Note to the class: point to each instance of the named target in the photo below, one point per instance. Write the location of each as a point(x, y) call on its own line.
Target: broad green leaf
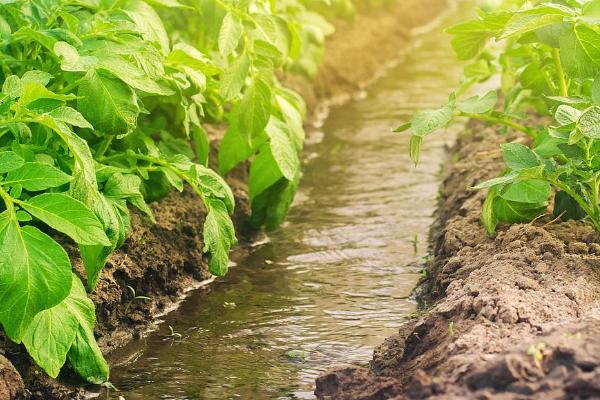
point(282, 148)
point(589, 123)
point(234, 77)
point(70, 116)
point(263, 173)
point(35, 274)
point(32, 91)
point(566, 207)
point(69, 216)
point(148, 23)
point(127, 187)
point(132, 75)
point(518, 156)
point(94, 257)
point(71, 60)
point(530, 20)
point(479, 105)
point(213, 185)
point(9, 161)
point(580, 53)
point(514, 212)
point(84, 355)
point(12, 86)
point(255, 109)
point(527, 191)
point(566, 114)
point(427, 122)
point(271, 206)
point(292, 117)
point(219, 236)
point(36, 176)
point(230, 34)
point(52, 332)
point(107, 103)
point(234, 148)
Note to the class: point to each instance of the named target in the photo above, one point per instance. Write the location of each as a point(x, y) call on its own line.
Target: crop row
point(102, 107)
point(547, 58)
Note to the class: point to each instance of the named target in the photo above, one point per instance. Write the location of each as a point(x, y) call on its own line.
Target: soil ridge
point(511, 317)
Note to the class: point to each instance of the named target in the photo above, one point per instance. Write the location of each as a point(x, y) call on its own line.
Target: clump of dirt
point(162, 260)
point(517, 316)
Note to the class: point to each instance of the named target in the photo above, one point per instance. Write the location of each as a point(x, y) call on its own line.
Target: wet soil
point(514, 317)
point(164, 260)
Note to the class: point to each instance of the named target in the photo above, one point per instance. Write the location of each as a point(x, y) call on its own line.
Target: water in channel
point(335, 280)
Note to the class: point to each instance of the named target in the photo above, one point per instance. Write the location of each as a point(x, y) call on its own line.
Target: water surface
point(336, 279)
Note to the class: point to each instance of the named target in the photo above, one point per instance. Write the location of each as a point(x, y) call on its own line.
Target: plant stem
point(564, 90)
point(106, 141)
point(8, 202)
point(496, 120)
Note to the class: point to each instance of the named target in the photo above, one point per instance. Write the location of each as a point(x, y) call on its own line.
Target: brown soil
point(162, 260)
point(493, 304)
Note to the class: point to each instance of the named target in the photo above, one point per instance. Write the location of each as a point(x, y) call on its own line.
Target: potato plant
point(548, 60)
point(101, 109)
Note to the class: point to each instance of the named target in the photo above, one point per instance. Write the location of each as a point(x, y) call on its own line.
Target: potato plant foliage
point(101, 109)
point(548, 60)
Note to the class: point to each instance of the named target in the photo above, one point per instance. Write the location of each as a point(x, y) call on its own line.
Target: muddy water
point(333, 282)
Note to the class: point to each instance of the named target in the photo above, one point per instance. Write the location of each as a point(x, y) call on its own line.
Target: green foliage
point(547, 57)
point(101, 109)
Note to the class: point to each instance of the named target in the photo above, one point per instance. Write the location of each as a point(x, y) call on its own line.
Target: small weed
point(173, 334)
point(134, 297)
point(451, 328)
point(537, 352)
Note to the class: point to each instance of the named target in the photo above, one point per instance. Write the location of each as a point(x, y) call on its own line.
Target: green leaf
point(566, 115)
point(270, 208)
point(71, 60)
point(9, 161)
point(263, 173)
point(415, 148)
point(589, 122)
point(234, 149)
point(234, 77)
point(212, 185)
point(85, 355)
point(32, 91)
point(219, 236)
point(254, 109)
point(479, 105)
point(566, 207)
point(518, 156)
point(501, 180)
point(427, 122)
point(514, 212)
point(109, 104)
point(530, 20)
point(69, 216)
point(282, 148)
point(52, 332)
point(488, 218)
point(402, 127)
point(527, 191)
point(35, 176)
point(148, 23)
point(132, 75)
point(580, 53)
point(70, 116)
point(35, 274)
point(230, 34)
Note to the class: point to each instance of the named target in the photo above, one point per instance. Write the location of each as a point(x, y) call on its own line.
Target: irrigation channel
point(336, 279)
